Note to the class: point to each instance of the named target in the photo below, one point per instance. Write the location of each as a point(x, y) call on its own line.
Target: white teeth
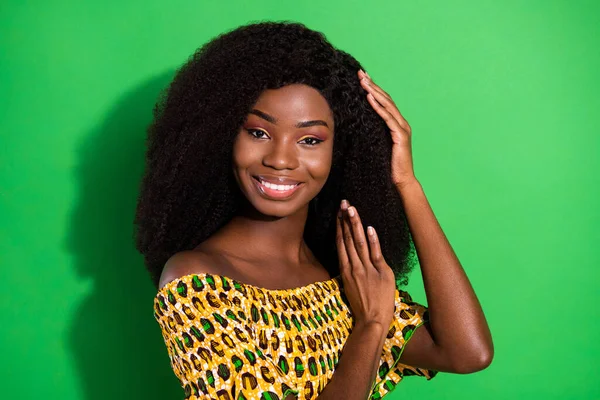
point(277, 187)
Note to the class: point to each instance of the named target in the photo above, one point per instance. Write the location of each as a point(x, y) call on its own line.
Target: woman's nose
point(281, 155)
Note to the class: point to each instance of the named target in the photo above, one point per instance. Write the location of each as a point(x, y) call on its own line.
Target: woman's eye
point(260, 134)
point(257, 133)
point(311, 141)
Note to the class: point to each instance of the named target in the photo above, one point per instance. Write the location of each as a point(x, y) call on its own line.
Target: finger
point(363, 74)
point(389, 105)
point(375, 249)
point(358, 236)
point(386, 101)
point(369, 84)
point(353, 257)
point(391, 121)
point(341, 247)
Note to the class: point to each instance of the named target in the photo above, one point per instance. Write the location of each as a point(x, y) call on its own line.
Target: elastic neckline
point(173, 283)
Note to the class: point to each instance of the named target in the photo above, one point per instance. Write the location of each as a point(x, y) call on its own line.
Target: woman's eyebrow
point(273, 120)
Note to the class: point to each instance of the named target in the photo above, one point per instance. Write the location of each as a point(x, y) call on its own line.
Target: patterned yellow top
point(229, 340)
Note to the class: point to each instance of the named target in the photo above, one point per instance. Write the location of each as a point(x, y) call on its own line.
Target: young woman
point(268, 156)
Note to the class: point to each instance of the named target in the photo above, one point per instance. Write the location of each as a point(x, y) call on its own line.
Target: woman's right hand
point(369, 282)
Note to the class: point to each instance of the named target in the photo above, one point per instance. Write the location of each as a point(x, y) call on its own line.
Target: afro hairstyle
point(188, 190)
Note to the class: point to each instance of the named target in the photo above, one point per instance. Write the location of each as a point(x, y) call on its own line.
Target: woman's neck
point(259, 237)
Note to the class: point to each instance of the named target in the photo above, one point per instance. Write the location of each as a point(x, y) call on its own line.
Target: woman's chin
point(277, 209)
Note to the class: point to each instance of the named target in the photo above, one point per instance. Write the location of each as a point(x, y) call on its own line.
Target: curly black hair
point(188, 190)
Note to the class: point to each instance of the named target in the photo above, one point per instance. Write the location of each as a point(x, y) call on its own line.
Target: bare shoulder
point(188, 262)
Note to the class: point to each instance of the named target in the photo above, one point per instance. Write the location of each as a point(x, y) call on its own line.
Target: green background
point(503, 101)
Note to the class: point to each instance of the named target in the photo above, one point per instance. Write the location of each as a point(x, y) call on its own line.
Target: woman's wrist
point(371, 327)
point(407, 186)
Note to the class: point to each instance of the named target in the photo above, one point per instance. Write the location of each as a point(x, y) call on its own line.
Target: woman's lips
point(274, 193)
point(276, 179)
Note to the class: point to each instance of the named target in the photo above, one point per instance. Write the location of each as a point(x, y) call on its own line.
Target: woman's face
point(282, 153)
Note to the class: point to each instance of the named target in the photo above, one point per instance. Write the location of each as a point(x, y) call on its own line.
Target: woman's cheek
point(319, 163)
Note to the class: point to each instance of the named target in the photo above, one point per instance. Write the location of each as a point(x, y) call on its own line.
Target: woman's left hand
point(402, 164)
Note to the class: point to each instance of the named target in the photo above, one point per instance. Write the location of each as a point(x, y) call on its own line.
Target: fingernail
point(351, 211)
point(370, 230)
point(344, 204)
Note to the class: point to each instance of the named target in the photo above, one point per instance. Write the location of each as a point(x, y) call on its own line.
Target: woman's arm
point(457, 338)
point(357, 367)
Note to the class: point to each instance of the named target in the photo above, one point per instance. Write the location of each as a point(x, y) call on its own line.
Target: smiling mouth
point(274, 191)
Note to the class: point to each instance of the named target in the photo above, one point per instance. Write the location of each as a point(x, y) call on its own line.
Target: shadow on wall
point(116, 343)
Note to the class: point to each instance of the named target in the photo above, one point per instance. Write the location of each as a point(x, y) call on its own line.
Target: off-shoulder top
point(230, 340)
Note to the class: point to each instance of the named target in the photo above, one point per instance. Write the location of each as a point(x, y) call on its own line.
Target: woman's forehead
point(292, 104)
